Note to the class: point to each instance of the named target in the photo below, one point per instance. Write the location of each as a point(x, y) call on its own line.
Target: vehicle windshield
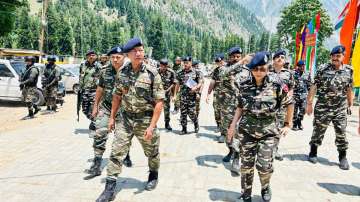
point(75, 70)
point(18, 66)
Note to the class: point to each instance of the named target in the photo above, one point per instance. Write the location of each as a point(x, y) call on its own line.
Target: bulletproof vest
point(49, 73)
point(27, 74)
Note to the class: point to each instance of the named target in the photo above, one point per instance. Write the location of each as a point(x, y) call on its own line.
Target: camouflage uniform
point(187, 98)
point(331, 104)
point(138, 91)
point(29, 79)
point(286, 78)
point(88, 79)
point(168, 79)
point(51, 78)
point(216, 102)
point(258, 129)
point(177, 69)
point(301, 87)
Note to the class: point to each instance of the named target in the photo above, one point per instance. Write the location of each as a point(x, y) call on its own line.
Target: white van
point(10, 71)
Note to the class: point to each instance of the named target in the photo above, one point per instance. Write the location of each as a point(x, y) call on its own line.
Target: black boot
point(37, 109)
point(152, 181)
point(344, 165)
point(196, 126)
point(245, 198)
point(95, 170)
point(167, 125)
point(48, 108)
point(228, 156)
point(92, 126)
point(266, 194)
point(183, 131)
point(29, 116)
point(54, 108)
point(295, 125)
point(300, 125)
point(235, 166)
point(313, 154)
point(127, 161)
point(109, 193)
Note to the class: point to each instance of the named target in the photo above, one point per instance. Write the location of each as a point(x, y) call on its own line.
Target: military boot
point(344, 165)
point(235, 166)
point(29, 116)
point(167, 126)
point(300, 127)
point(266, 194)
point(245, 198)
point(152, 181)
point(37, 109)
point(127, 161)
point(92, 126)
point(183, 131)
point(228, 157)
point(295, 125)
point(54, 108)
point(313, 154)
point(109, 193)
point(96, 171)
point(48, 108)
point(196, 126)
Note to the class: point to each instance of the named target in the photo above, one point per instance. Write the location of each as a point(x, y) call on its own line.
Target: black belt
point(138, 115)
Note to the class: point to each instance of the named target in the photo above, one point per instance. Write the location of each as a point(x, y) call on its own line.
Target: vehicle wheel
point(76, 88)
point(39, 98)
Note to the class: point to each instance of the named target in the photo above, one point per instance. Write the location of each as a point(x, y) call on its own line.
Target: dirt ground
point(12, 112)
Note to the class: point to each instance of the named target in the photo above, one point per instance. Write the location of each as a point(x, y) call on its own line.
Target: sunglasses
point(261, 69)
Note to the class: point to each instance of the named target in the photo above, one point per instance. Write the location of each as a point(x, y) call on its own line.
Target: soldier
point(168, 80)
point(259, 98)
point(89, 74)
point(285, 77)
point(333, 83)
point(28, 86)
point(301, 87)
point(195, 65)
point(50, 81)
point(188, 81)
point(102, 109)
point(140, 94)
point(104, 60)
point(177, 67)
point(215, 85)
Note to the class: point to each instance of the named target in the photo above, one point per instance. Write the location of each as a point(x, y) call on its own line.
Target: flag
point(343, 14)
point(356, 62)
point(347, 30)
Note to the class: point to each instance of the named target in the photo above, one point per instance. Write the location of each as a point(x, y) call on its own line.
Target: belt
point(138, 115)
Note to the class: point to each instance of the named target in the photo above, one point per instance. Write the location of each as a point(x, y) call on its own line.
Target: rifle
point(78, 104)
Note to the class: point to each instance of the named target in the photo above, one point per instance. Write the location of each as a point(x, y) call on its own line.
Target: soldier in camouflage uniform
point(168, 79)
point(104, 60)
point(195, 65)
point(333, 83)
point(286, 78)
point(188, 92)
point(89, 74)
point(140, 94)
point(215, 86)
point(28, 85)
point(259, 98)
point(177, 67)
point(301, 87)
point(50, 81)
point(102, 109)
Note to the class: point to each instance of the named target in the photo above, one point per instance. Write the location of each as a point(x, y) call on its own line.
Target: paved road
point(46, 161)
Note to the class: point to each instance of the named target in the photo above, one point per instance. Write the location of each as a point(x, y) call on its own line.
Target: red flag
point(318, 18)
point(347, 30)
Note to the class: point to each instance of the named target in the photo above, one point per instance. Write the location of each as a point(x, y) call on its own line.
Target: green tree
point(8, 15)
point(155, 38)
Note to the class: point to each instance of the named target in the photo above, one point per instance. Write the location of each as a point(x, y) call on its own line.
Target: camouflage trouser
point(280, 119)
point(227, 112)
point(87, 103)
point(299, 110)
point(177, 101)
point(29, 94)
point(50, 95)
point(167, 107)
point(217, 109)
point(322, 118)
point(259, 151)
point(126, 129)
point(187, 108)
point(197, 104)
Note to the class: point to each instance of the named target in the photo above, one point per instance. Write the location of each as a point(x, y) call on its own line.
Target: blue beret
point(90, 52)
point(235, 50)
point(260, 58)
point(300, 63)
point(164, 61)
point(279, 52)
point(115, 50)
point(338, 49)
point(187, 58)
point(218, 57)
point(132, 43)
point(195, 62)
